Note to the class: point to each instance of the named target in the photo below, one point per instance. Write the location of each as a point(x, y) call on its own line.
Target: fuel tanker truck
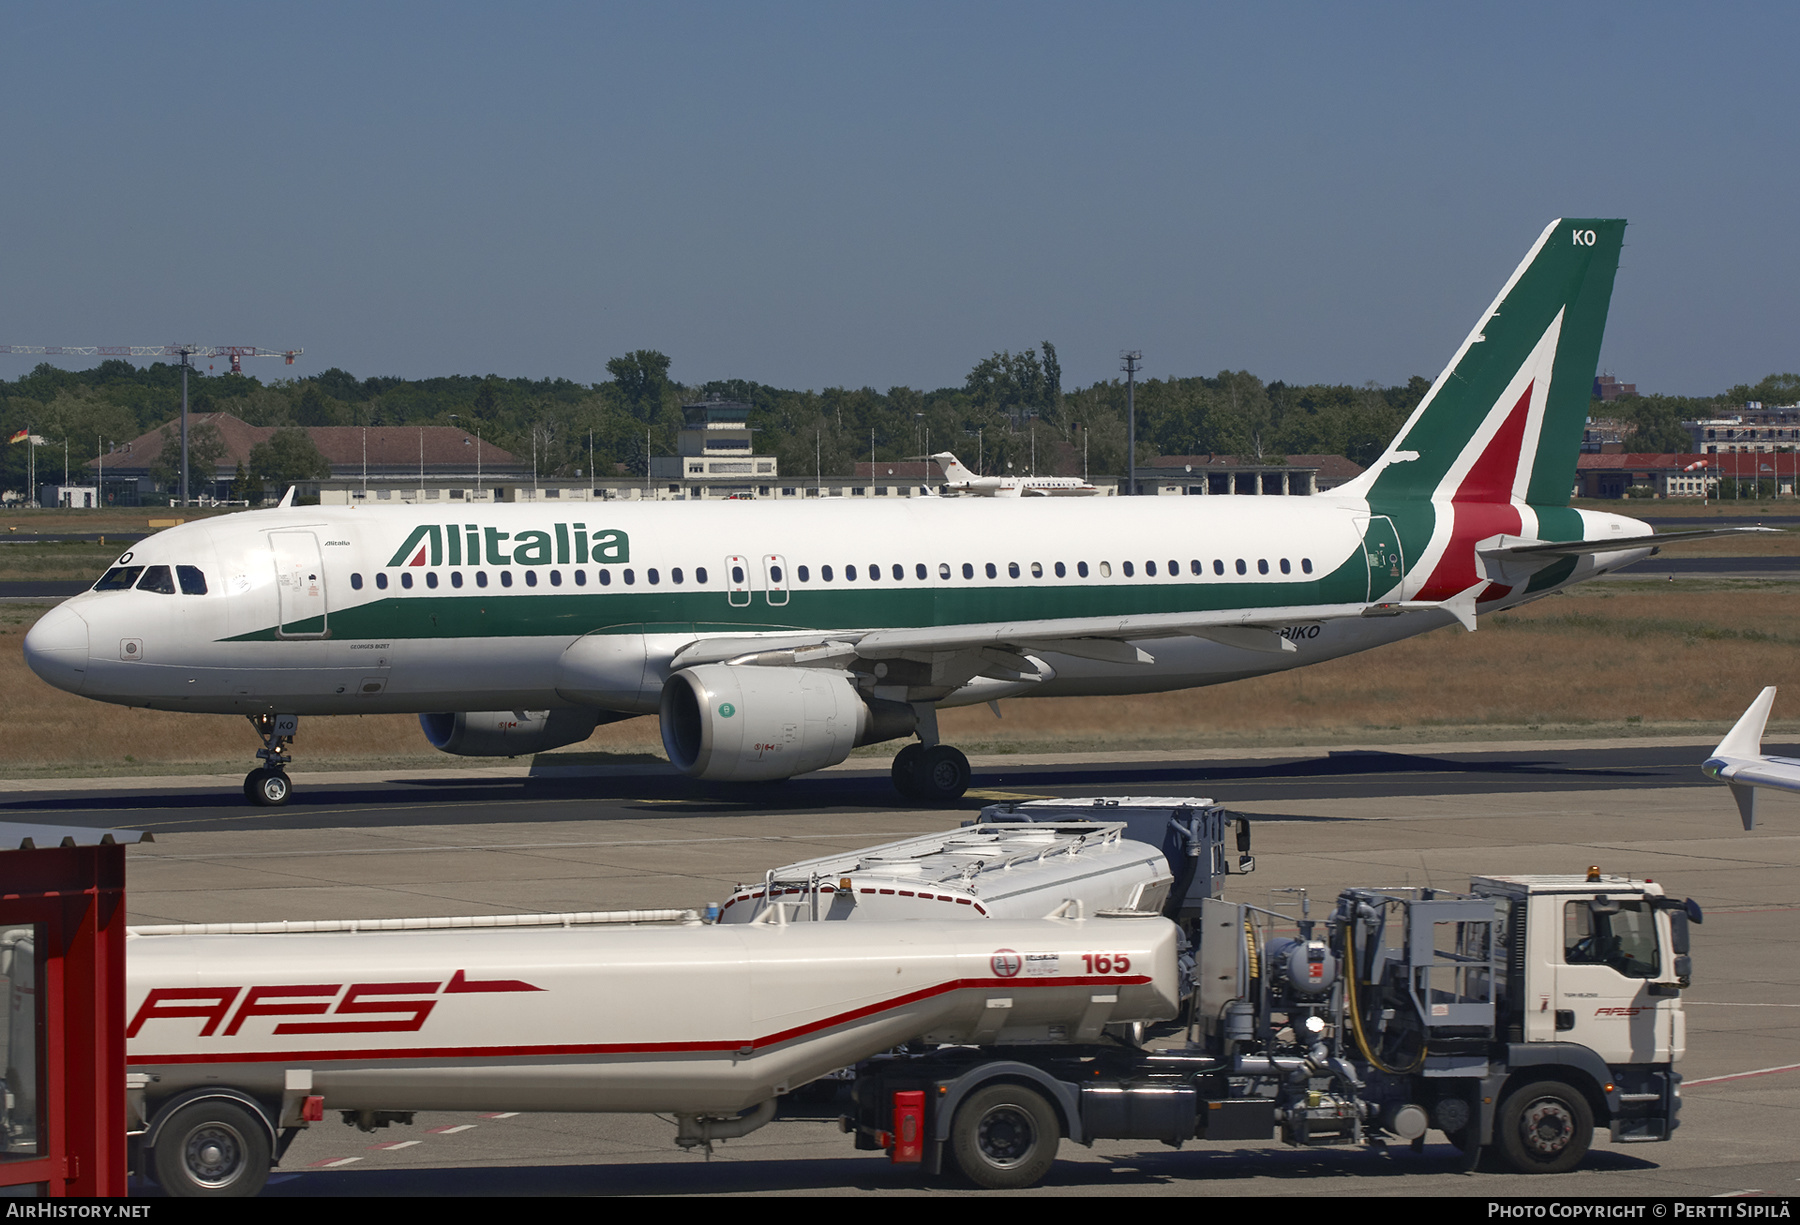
point(1058, 970)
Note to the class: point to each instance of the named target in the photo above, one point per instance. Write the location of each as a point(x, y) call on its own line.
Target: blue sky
point(846, 194)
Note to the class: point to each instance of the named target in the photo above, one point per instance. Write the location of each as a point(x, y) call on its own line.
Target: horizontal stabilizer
point(1518, 546)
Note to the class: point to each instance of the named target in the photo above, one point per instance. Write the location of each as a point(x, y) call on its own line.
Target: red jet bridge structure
point(62, 963)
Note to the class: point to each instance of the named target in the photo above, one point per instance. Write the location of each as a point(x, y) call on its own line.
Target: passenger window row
point(629, 576)
point(851, 573)
point(1014, 569)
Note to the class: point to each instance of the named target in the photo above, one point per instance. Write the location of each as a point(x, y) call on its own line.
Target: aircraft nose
point(57, 648)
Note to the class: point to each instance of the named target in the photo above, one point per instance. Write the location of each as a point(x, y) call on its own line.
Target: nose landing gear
point(268, 784)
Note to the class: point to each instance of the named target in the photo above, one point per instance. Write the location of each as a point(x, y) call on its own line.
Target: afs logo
point(403, 1005)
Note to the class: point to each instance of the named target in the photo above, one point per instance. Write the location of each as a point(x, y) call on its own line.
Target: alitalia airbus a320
point(772, 638)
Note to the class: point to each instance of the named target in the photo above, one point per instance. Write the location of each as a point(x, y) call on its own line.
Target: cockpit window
point(119, 578)
point(192, 581)
point(157, 579)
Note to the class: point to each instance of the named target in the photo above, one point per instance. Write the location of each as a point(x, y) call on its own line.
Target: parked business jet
point(959, 480)
point(770, 638)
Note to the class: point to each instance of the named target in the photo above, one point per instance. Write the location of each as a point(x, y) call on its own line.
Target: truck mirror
point(1243, 835)
point(1678, 932)
point(1603, 905)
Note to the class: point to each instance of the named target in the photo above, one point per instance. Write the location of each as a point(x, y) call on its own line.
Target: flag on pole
point(21, 436)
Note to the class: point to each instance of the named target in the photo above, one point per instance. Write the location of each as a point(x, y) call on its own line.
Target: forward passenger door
point(299, 585)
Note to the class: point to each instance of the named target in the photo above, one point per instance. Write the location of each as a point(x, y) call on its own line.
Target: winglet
point(1741, 751)
point(1745, 737)
point(287, 499)
point(1745, 795)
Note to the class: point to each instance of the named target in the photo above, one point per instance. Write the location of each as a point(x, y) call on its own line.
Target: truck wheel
point(1005, 1137)
point(212, 1149)
point(1544, 1128)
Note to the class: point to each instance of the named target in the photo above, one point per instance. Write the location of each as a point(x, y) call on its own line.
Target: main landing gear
point(935, 775)
point(268, 784)
point(930, 772)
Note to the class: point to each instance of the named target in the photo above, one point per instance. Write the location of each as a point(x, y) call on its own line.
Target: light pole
point(1131, 358)
point(186, 351)
point(454, 417)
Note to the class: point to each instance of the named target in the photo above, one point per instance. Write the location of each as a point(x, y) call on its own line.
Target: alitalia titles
point(469, 544)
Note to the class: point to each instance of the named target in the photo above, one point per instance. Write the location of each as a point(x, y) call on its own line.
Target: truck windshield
point(1626, 941)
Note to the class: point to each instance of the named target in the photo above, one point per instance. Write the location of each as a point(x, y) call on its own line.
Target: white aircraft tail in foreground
point(1740, 763)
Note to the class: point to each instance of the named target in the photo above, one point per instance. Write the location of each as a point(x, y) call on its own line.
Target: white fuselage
point(308, 611)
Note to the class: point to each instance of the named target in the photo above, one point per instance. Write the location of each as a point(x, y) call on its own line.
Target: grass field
point(1617, 658)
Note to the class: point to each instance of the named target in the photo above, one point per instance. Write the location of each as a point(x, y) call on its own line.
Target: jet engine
point(747, 723)
point(510, 733)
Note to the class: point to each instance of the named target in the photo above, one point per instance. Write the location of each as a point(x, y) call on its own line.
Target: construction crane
point(236, 353)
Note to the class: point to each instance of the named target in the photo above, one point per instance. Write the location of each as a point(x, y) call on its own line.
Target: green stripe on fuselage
point(564, 613)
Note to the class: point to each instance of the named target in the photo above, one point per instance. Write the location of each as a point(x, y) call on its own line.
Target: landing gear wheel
point(270, 788)
point(943, 775)
point(1004, 1137)
point(906, 771)
point(1544, 1128)
point(212, 1150)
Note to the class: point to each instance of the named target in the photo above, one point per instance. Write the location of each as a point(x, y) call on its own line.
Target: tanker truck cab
point(1604, 960)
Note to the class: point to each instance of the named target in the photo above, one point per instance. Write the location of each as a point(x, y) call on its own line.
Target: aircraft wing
point(1110, 639)
point(881, 644)
point(1741, 765)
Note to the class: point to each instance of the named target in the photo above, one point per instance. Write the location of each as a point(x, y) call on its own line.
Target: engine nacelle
point(510, 733)
point(745, 723)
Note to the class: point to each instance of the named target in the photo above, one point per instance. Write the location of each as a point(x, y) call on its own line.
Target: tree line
point(1011, 413)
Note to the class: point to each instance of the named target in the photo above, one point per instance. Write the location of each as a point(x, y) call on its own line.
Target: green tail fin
point(1503, 422)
